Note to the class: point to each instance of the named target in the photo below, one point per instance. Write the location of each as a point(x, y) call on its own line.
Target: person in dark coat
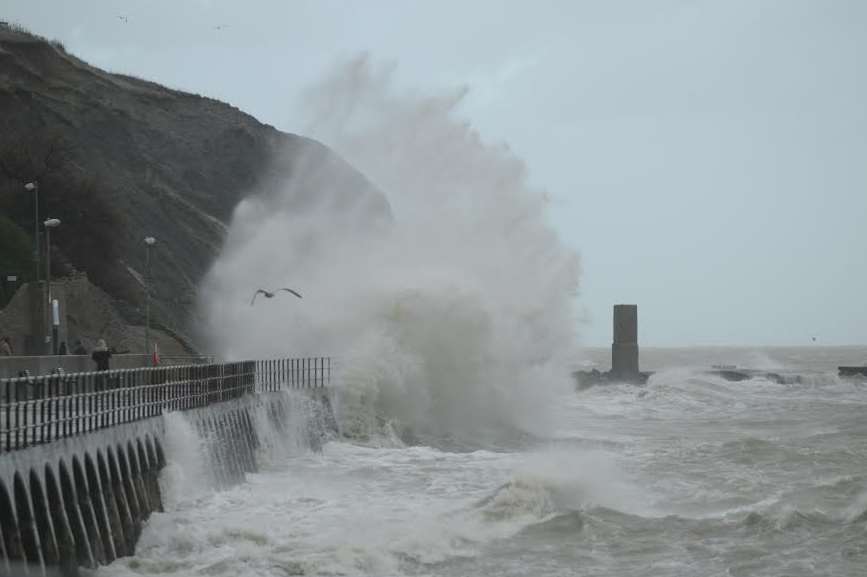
point(101, 355)
point(62, 350)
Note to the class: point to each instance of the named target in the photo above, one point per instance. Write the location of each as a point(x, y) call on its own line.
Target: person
point(5, 347)
point(62, 350)
point(79, 348)
point(101, 355)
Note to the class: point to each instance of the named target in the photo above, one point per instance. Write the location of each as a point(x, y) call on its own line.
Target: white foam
point(456, 320)
point(186, 475)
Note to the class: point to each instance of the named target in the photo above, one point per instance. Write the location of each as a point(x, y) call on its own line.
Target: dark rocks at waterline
point(852, 371)
point(587, 379)
point(737, 375)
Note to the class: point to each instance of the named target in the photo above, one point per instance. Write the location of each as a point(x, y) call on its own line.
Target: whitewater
point(688, 475)
point(460, 444)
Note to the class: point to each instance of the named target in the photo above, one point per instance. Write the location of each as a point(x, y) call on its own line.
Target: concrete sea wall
point(82, 500)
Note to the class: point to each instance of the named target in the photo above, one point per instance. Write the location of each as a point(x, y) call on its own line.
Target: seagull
point(270, 295)
point(123, 19)
point(221, 27)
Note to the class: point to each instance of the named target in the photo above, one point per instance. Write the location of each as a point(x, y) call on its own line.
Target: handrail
point(43, 409)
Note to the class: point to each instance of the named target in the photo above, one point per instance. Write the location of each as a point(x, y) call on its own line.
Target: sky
point(708, 159)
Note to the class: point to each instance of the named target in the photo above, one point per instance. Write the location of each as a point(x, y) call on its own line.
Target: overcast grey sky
point(707, 158)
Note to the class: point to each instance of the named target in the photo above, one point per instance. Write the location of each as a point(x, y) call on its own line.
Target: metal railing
point(302, 373)
point(37, 410)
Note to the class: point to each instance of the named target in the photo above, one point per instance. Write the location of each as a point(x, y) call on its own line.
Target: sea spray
point(454, 316)
point(187, 473)
point(200, 444)
point(557, 481)
point(287, 424)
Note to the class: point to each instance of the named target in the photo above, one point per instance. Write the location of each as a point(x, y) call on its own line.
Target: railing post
point(63, 402)
point(141, 395)
point(27, 409)
point(134, 394)
point(74, 425)
point(104, 386)
point(120, 384)
point(39, 416)
point(51, 409)
point(16, 415)
point(149, 397)
point(8, 410)
point(88, 400)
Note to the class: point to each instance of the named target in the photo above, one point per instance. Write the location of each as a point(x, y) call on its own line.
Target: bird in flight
point(221, 27)
point(123, 19)
point(270, 295)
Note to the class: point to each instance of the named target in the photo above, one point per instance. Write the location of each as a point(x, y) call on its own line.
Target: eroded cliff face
point(119, 159)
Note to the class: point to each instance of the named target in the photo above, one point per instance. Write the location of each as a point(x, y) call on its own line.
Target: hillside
point(119, 158)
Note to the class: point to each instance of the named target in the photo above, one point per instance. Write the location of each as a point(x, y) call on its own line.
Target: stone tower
point(624, 349)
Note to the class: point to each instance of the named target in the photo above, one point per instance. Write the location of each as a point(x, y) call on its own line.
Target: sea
point(688, 475)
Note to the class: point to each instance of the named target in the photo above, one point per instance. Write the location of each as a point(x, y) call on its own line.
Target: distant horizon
point(729, 346)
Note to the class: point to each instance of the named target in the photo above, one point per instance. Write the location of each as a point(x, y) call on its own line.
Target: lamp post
point(149, 242)
point(34, 188)
point(49, 224)
point(37, 324)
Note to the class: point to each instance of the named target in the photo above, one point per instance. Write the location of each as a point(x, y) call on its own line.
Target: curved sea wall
point(82, 499)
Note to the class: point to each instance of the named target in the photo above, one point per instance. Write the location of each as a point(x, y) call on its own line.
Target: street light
point(34, 188)
point(149, 241)
point(49, 224)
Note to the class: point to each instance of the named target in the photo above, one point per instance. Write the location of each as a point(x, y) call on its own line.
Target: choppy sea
point(690, 475)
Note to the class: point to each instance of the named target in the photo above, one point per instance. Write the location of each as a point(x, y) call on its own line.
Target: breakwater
point(82, 453)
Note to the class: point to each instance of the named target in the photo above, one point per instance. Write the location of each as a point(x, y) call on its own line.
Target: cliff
point(119, 158)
